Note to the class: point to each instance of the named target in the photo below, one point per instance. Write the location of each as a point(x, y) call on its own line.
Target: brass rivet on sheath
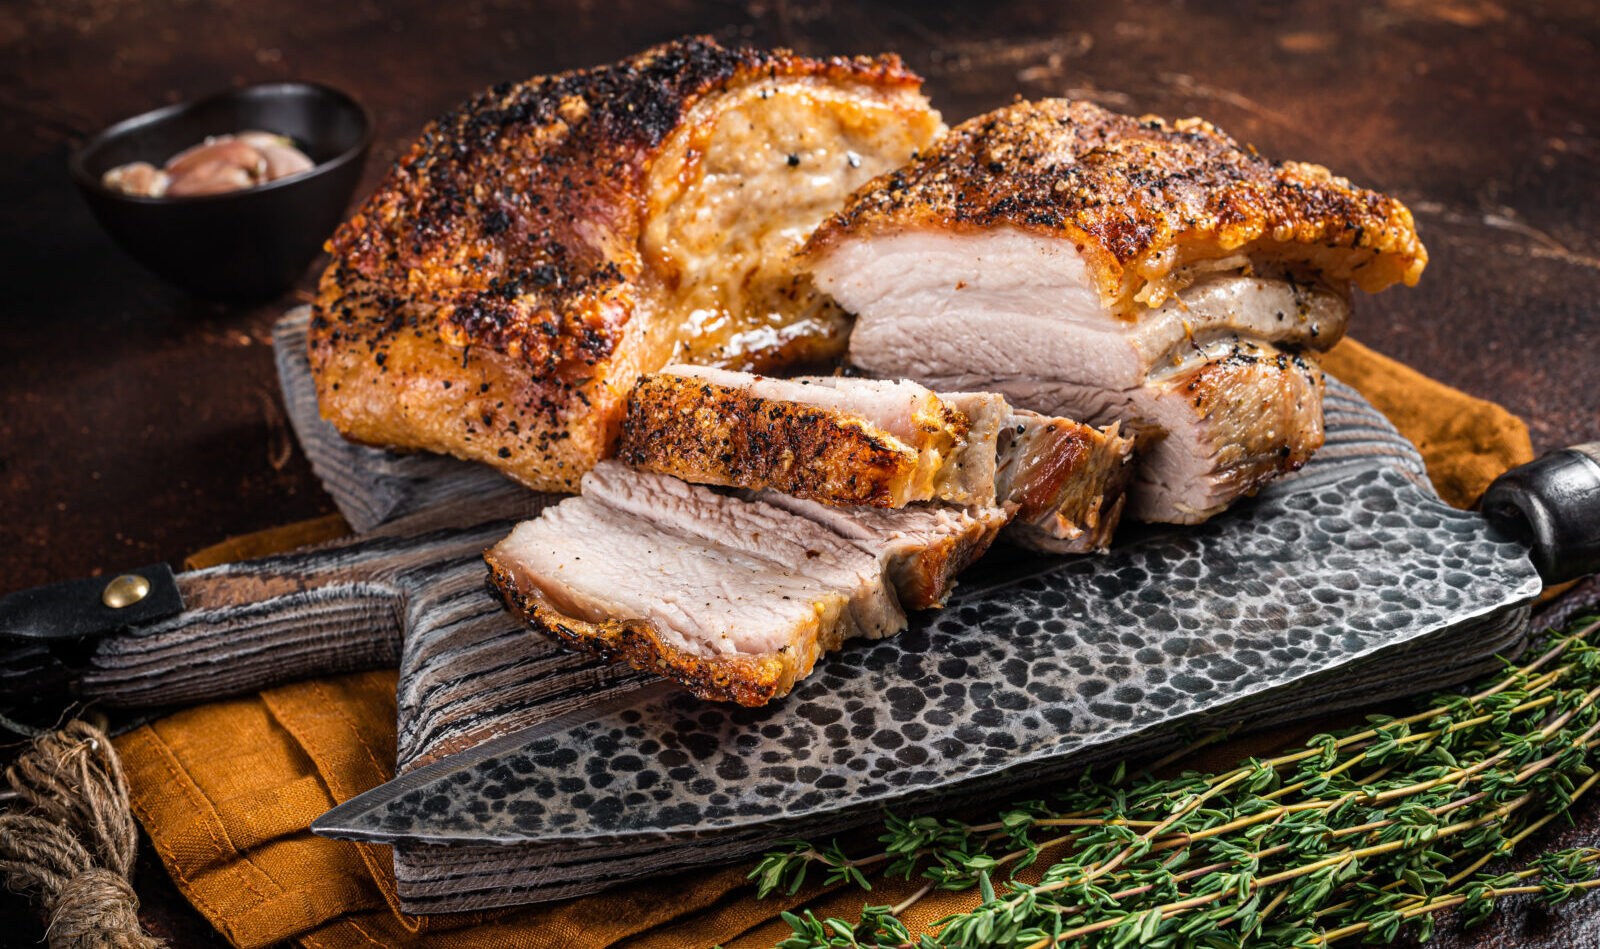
point(125, 590)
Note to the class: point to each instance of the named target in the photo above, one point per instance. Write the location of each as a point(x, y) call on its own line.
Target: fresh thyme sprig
point(1357, 835)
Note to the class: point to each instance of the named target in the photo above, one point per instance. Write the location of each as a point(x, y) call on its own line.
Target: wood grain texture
point(336, 608)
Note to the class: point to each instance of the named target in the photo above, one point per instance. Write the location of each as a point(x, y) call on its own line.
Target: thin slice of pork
point(756, 529)
point(1077, 261)
point(802, 437)
point(843, 441)
point(733, 598)
point(1065, 482)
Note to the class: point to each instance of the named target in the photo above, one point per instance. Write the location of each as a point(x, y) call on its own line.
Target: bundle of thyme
point(1360, 834)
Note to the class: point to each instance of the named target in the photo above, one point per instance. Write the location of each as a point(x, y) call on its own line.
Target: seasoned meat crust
point(715, 434)
point(498, 294)
point(1143, 199)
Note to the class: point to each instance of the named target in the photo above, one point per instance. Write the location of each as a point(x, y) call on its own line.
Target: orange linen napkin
point(227, 791)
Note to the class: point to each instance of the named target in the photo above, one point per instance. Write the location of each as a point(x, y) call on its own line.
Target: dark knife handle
point(1553, 505)
point(249, 625)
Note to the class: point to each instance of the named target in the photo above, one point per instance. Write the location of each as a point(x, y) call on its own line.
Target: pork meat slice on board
point(922, 547)
point(837, 440)
point(885, 444)
point(733, 598)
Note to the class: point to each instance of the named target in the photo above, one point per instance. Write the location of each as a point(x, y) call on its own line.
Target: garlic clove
point(224, 149)
point(210, 177)
point(256, 138)
point(284, 160)
point(137, 178)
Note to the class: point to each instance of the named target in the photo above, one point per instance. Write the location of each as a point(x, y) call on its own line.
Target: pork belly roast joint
point(548, 241)
point(1106, 268)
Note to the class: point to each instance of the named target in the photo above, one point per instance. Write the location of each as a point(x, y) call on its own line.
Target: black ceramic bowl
point(243, 245)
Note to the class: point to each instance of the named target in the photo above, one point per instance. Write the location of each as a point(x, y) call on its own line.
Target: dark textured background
point(137, 424)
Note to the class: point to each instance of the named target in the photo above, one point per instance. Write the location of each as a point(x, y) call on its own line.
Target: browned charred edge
point(746, 680)
point(1081, 479)
point(713, 434)
point(925, 581)
point(509, 233)
point(1120, 187)
point(1116, 467)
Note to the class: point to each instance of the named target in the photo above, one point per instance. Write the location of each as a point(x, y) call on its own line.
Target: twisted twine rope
point(72, 846)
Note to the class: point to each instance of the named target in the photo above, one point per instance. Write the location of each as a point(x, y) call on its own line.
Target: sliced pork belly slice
point(843, 441)
point(921, 547)
point(1064, 480)
point(1236, 415)
point(733, 597)
point(969, 476)
point(756, 529)
point(1072, 259)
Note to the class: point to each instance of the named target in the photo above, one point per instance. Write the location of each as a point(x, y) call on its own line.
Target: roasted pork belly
point(1064, 481)
point(755, 530)
point(549, 240)
point(843, 441)
point(883, 444)
point(1091, 265)
point(734, 598)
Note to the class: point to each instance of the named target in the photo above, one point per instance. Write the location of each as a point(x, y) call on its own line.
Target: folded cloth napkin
point(227, 791)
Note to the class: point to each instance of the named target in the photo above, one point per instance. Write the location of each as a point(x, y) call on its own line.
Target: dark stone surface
point(137, 424)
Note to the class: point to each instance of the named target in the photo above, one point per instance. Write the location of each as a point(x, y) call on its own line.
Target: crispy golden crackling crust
point(714, 434)
point(1139, 197)
point(751, 680)
point(481, 301)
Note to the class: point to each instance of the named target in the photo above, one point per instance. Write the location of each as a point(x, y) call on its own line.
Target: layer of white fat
point(891, 405)
point(1002, 301)
point(791, 544)
point(877, 530)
